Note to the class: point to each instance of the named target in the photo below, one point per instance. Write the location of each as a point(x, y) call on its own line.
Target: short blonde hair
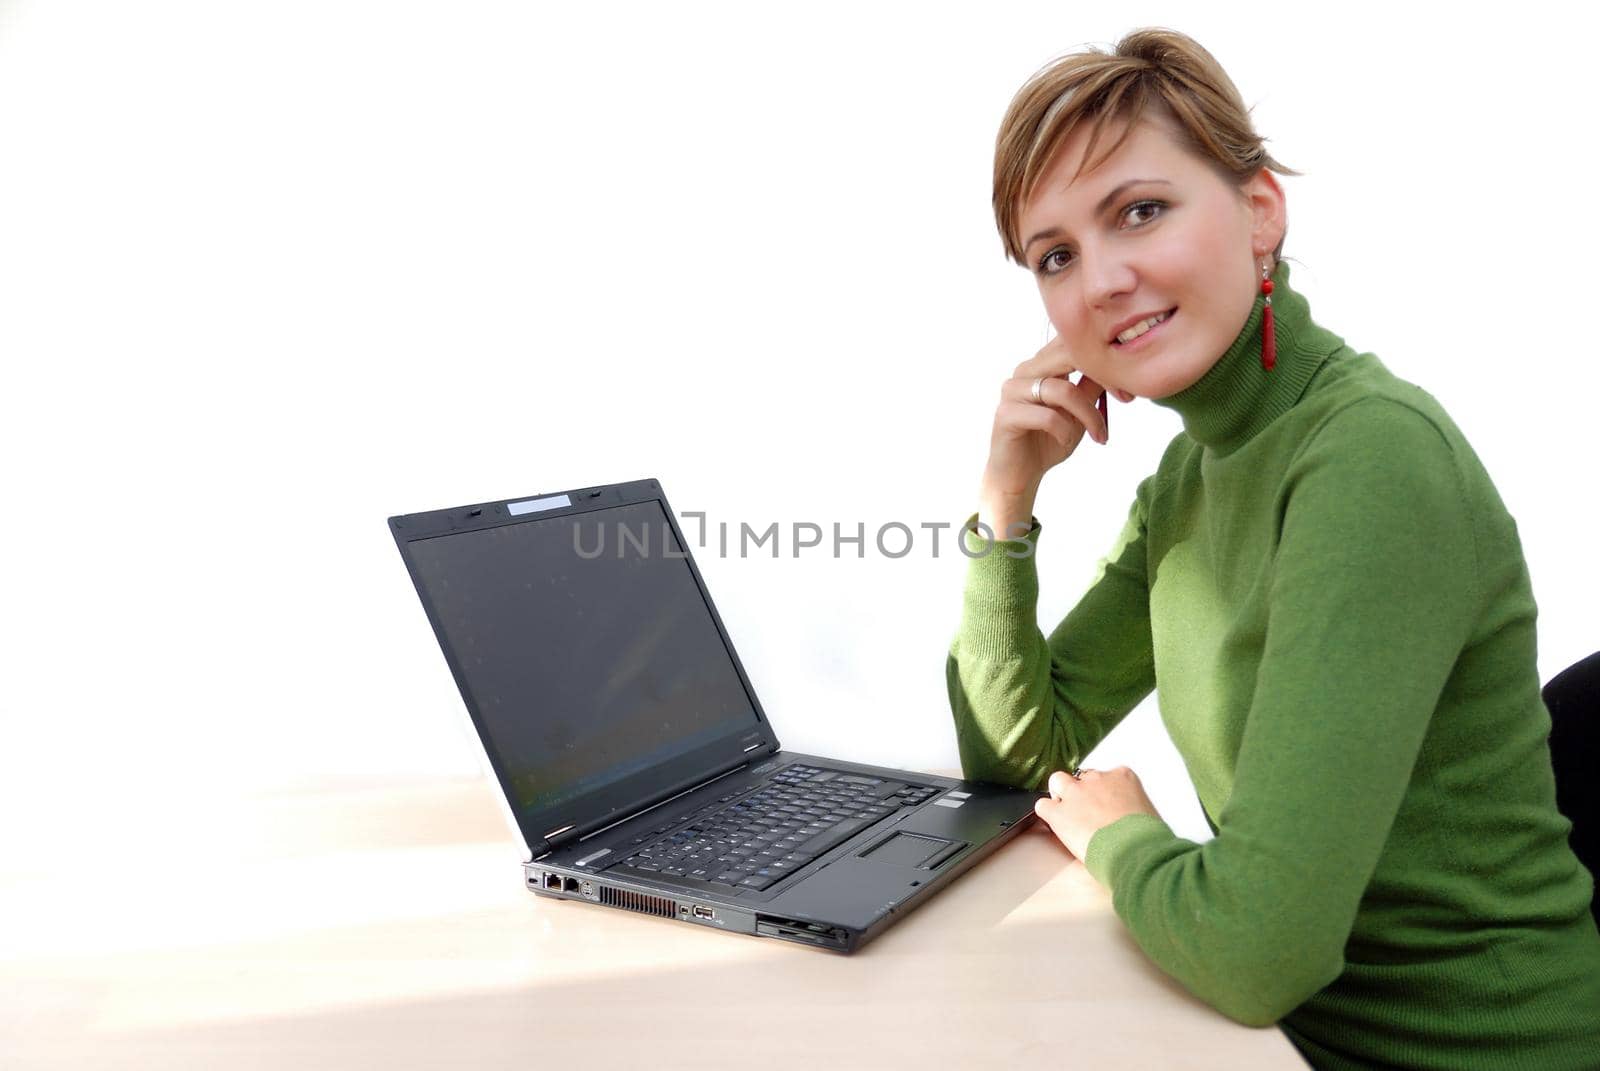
point(1152, 69)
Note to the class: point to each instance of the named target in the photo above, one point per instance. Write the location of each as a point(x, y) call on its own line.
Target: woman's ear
point(1269, 211)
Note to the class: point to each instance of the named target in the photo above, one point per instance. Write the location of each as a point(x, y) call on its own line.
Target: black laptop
point(634, 759)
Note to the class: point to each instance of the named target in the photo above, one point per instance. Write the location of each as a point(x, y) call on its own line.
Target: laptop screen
point(585, 642)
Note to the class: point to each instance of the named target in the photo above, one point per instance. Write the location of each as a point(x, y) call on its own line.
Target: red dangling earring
point(1269, 337)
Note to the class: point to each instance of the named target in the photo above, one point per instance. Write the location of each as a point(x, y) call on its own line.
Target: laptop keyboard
point(801, 813)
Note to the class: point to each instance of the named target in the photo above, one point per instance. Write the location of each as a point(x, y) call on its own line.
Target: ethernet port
point(552, 881)
point(571, 885)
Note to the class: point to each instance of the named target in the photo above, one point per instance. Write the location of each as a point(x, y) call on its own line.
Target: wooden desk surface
point(387, 928)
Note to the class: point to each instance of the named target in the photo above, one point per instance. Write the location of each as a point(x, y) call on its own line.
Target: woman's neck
point(1237, 397)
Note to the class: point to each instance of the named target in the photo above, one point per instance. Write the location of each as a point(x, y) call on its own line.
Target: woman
point(1320, 580)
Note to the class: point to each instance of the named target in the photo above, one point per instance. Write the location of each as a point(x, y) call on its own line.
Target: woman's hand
point(1076, 809)
point(1029, 438)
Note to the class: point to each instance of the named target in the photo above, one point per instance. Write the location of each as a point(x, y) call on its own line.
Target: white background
point(271, 272)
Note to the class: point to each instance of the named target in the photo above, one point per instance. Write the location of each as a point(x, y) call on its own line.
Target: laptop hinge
point(570, 833)
point(554, 839)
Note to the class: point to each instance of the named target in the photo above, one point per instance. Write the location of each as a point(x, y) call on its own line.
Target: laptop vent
point(633, 901)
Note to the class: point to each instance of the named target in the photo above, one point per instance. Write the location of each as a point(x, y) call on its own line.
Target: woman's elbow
point(1276, 985)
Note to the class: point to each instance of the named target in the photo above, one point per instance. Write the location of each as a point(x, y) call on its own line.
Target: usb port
point(704, 912)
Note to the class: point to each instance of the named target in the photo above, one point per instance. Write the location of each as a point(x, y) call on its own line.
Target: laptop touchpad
point(906, 849)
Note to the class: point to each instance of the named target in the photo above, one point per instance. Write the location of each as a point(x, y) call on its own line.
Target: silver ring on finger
point(1038, 391)
point(1077, 773)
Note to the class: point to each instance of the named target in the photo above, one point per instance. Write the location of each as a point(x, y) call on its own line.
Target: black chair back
point(1573, 697)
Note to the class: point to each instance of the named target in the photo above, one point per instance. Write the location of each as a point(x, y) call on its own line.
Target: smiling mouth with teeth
point(1128, 337)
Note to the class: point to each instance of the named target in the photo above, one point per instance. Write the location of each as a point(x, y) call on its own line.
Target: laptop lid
point(591, 659)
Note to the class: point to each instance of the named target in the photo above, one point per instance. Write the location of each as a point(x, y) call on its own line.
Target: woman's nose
point(1106, 278)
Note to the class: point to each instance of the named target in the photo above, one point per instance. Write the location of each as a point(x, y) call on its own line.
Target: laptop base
point(893, 866)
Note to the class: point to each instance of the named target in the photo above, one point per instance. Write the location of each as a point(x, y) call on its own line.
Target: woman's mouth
point(1144, 340)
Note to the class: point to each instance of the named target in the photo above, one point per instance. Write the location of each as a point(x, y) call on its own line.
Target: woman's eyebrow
point(1105, 202)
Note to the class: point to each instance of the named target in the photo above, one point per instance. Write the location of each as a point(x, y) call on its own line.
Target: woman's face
point(1151, 230)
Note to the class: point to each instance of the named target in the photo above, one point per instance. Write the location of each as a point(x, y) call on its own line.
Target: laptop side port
point(704, 912)
point(552, 882)
point(570, 885)
point(807, 932)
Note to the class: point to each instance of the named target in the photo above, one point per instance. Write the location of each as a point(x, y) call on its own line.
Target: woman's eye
point(1145, 204)
point(1049, 264)
point(1055, 260)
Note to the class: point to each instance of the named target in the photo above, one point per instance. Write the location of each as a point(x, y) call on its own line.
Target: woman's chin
point(1153, 387)
point(1175, 381)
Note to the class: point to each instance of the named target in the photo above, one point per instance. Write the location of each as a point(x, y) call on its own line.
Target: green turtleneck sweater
point(1325, 590)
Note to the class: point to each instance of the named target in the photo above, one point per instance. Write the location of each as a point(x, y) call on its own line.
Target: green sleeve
point(1372, 595)
point(1026, 706)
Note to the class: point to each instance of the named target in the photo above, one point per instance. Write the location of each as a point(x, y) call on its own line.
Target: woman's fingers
point(1051, 360)
point(1056, 392)
point(1054, 360)
point(1061, 782)
point(1102, 407)
point(1052, 810)
point(1038, 418)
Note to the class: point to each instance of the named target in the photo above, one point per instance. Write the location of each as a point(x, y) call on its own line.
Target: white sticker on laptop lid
point(534, 505)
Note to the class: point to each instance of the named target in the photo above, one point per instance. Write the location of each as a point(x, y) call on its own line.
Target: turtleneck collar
point(1231, 403)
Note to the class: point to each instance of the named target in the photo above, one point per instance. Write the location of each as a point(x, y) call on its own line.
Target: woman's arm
point(1374, 589)
point(1024, 705)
